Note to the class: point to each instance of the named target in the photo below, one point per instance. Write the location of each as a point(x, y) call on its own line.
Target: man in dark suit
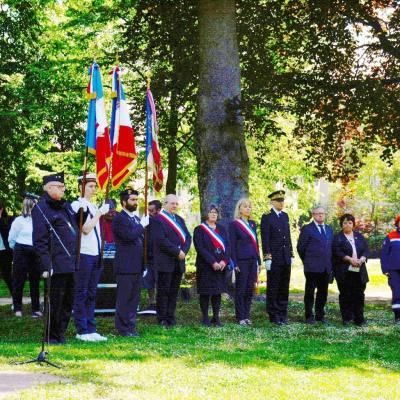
point(128, 230)
point(171, 243)
point(315, 250)
point(278, 252)
point(57, 251)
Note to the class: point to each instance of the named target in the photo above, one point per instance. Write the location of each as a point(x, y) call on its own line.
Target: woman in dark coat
point(6, 254)
point(213, 254)
point(246, 258)
point(350, 252)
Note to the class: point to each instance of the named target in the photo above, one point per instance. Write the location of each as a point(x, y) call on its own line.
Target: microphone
point(29, 195)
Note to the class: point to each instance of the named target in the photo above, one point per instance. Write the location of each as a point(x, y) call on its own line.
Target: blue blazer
point(242, 247)
point(167, 244)
point(341, 248)
point(275, 236)
point(314, 249)
point(128, 237)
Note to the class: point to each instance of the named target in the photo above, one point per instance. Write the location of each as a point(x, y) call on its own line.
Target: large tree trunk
point(223, 164)
point(172, 151)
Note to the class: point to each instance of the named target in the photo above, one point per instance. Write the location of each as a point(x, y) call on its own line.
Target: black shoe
point(361, 324)
point(134, 333)
point(310, 321)
point(216, 322)
point(323, 321)
point(164, 323)
point(284, 321)
point(172, 322)
point(205, 321)
point(397, 321)
point(346, 323)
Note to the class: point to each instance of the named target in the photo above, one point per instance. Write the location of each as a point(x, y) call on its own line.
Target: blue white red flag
point(97, 134)
point(124, 155)
point(153, 156)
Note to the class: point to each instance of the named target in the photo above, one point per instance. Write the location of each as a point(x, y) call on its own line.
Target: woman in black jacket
point(213, 255)
point(350, 252)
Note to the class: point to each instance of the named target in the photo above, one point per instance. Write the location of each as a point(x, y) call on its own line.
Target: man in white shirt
point(89, 269)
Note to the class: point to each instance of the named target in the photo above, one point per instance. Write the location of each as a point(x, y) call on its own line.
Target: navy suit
point(166, 248)
point(128, 266)
point(276, 241)
point(351, 284)
point(315, 250)
point(247, 258)
point(65, 223)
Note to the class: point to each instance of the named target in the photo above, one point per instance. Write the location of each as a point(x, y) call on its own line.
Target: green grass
point(194, 362)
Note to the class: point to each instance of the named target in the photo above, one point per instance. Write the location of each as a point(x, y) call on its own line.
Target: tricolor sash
point(249, 230)
point(216, 239)
point(174, 225)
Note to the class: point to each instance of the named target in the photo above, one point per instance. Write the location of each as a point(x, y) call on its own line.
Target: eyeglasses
point(213, 212)
point(58, 186)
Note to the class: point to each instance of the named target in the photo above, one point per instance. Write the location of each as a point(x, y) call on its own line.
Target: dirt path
point(13, 381)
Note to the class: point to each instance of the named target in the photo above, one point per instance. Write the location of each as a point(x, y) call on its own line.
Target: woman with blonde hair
point(25, 260)
point(246, 257)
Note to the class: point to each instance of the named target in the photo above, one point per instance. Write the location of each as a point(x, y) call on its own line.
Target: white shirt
point(20, 231)
point(91, 242)
point(2, 247)
point(278, 213)
point(350, 238)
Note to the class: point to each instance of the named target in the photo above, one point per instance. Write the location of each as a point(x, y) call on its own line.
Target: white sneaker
point(18, 314)
point(97, 337)
point(86, 337)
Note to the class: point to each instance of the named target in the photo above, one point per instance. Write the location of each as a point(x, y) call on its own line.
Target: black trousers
point(319, 281)
point(204, 300)
point(128, 296)
point(6, 267)
point(351, 297)
point(25, 264)
point(61, 299)
point(244, 284)
point(278, 279)
point(168, 284)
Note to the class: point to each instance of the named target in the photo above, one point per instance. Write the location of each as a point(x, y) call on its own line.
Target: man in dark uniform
point(171, 243)
point(6, 254)
point(128, 230)
point(149, 278)
point(278, 252)
point(57, 251)
point(315, 250)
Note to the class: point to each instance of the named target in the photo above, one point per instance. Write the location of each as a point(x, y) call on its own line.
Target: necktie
point(322, 229)
point(279, 214)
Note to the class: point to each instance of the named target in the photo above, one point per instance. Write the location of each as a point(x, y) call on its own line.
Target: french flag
point(124, 155)
point(153, 156)
point(97, 134)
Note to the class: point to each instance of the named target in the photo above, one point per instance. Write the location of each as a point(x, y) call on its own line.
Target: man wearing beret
point(57, 252)
point(278, 252)
point(89, 269)
point(128, 230)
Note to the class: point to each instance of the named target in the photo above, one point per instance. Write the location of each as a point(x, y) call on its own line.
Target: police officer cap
point(278, 195)
point(58, 177)
point(124, 195)
point(89, 178)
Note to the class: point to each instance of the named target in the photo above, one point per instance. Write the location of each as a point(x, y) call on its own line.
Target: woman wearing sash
point(213, 255)
point(246, 257)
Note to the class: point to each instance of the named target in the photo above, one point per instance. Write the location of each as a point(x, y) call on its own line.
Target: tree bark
point(223, 164)
point(172, 151)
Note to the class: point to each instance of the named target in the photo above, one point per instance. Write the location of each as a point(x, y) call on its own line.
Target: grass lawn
point(233, 362)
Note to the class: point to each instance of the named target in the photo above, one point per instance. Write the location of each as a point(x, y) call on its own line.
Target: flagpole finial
point(148, 78)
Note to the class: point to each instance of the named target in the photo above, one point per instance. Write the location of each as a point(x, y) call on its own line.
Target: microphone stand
point(42, 356)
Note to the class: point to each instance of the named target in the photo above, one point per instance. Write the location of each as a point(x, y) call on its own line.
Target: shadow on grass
point(296, 345)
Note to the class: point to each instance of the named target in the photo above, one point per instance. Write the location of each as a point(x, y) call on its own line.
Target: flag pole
point(146, 183)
